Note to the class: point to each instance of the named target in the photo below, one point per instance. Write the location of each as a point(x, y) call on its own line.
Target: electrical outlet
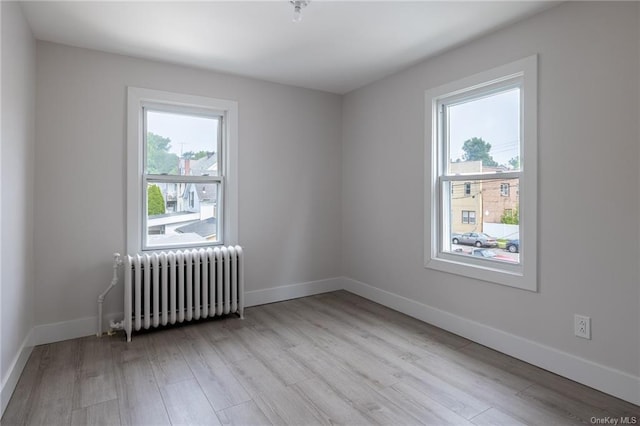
point(582, 326)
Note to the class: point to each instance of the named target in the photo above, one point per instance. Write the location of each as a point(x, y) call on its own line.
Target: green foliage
point(159, 159)
point(512, 218)
point(155, 201)
point(515, 162)
point(190, 155)
point(476, 149)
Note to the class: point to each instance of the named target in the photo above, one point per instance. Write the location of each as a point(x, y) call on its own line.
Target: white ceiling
point(337, 47)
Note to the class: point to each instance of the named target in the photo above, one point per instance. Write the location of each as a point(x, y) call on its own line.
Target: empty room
point(320, 212)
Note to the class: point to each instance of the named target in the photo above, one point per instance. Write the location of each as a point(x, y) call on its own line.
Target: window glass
point(482, 137)
point(181, 144)
point(193, 218)
point(183, 211)
point(486, 211)
point(483, 133)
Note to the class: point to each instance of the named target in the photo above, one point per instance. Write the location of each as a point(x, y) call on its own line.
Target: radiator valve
point(116, 325)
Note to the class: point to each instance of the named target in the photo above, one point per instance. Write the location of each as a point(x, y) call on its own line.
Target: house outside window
point(483, 138)
point(182, 168)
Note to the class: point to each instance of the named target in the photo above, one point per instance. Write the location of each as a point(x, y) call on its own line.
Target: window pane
point(483, 134)
point(484, 224)
point(181, 213)
point(181, 144)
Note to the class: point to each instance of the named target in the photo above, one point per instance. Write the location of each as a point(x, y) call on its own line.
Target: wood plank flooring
point(334, 358)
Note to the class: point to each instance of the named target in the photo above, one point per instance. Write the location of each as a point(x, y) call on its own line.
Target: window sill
point(494, 272)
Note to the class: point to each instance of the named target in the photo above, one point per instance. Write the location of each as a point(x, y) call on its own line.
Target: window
point(468, 217)
point(504, 189)
point(182, 185)
point(483, 133)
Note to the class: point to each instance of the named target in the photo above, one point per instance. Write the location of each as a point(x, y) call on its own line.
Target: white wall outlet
point(582, 326)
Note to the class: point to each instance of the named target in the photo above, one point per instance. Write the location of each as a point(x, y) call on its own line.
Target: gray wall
point(17, 193)
point(289, 175)
point(588, 183)
point(332, 185)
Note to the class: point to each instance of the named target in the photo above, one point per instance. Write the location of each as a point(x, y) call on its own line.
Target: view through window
point(480, 177)
point(182, 177)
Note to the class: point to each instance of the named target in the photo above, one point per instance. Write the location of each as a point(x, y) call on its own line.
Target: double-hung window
point(181, 171)
point(481, 136)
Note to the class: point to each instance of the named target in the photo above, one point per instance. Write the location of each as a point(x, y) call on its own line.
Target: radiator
point(177, 286)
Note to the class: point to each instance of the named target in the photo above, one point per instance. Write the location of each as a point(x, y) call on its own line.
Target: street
point(501, 254)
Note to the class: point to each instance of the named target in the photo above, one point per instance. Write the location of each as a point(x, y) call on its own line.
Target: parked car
point(513, 246)
point(478, 239)
point(490, 254)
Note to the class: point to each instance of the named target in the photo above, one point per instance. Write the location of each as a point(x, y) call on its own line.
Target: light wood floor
point(328, 359)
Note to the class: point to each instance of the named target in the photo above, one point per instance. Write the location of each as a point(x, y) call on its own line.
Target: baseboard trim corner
point(292, 291)
point(65, 330)
point(606, 379)
point(15, 370)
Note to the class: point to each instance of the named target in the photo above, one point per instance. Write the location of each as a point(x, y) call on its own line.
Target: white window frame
point(523, 275)
point(137, 100)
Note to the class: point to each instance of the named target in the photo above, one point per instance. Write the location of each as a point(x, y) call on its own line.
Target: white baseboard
point(65, 330)
point(293, 291)
point(609, 380)
point(81, 327)
point(598, 376)
point(15, 370)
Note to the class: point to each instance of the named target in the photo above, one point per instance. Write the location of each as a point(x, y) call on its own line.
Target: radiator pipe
point(117, 261)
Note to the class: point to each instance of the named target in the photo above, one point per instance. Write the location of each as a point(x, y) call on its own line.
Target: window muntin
point(450, 110)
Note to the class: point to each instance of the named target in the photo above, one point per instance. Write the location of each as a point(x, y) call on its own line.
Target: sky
point(187, 132)
point(495, 119)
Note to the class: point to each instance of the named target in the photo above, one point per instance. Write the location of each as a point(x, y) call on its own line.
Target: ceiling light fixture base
point(298, 5)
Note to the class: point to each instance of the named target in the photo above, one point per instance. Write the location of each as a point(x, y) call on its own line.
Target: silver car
point(478, 239)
